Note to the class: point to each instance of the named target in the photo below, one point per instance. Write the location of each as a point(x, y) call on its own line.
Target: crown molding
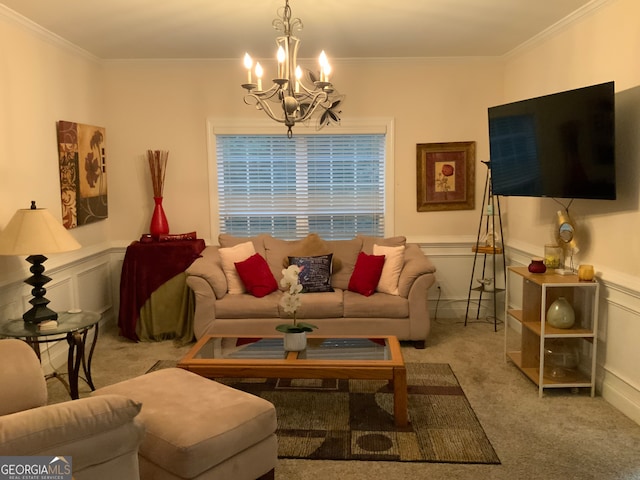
point(14, 18)
point(584, 11)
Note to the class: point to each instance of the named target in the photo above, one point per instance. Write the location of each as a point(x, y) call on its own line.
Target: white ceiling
point(122, 29)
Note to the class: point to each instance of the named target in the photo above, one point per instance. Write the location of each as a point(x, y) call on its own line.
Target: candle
point(259, 73)
point(323, 66)
point(298, 77)
point(586, 273)
point(248, 63)
point(281, 59)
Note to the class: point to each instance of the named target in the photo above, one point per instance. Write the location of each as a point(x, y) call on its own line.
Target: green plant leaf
point(307, 327)
point(288, 328)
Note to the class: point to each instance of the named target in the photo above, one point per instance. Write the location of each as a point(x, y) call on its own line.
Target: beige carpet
point(561, 436)
point(353, 419)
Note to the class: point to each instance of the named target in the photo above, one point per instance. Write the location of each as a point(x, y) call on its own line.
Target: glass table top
point(67, 322)
point(273, 348)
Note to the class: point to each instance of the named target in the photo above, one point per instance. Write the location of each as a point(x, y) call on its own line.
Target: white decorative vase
point(295, 342)
point(560, 314)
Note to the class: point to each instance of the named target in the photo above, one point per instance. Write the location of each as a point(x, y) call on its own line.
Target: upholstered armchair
point(100, 434)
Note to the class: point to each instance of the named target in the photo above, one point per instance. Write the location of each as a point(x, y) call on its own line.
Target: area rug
point(353, 419)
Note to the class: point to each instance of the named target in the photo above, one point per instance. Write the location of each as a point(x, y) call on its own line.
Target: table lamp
point(33, 232)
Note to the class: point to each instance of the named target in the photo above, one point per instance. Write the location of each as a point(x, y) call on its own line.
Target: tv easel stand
point(489, 242)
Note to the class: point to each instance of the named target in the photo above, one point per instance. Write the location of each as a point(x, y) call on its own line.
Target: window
point(333, 185)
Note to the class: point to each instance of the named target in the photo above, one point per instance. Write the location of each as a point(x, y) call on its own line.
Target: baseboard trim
point(621, 395)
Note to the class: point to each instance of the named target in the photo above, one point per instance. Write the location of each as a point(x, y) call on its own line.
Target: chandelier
point(289, 100)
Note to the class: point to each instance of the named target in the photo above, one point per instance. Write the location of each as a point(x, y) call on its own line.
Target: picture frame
point(445, 176)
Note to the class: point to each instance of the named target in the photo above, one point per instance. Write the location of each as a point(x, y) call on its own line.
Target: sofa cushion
point(311, 246)
point(366, 274)
point(247, 306)
point(369, 242)
point(225, 240)
point(378, 305)
point(346, 251)
point(231, 255)
point(319, 305)
point(256, 276)
point(315, 272)
point(393, 263)
point(276, 253)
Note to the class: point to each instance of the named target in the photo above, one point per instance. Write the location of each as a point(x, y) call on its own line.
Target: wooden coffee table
point(350, 357)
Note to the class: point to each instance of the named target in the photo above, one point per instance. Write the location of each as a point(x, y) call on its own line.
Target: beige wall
point(165, 105)
point(600, 47)
point(41, 83)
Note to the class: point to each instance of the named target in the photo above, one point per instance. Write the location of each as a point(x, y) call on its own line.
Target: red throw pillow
point(256, 276)
point(366, 274)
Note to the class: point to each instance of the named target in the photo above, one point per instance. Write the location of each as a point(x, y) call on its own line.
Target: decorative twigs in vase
point(158, 166)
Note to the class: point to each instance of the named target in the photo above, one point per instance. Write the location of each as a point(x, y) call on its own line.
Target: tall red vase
point(159, 225)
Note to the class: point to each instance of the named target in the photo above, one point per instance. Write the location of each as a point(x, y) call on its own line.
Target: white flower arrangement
point(292, 300)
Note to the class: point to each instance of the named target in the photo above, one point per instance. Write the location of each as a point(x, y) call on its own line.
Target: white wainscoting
point(84, 283)
point(618, 355)
point(92, 283)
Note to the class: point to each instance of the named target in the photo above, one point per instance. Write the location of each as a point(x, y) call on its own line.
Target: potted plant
point(295, 334)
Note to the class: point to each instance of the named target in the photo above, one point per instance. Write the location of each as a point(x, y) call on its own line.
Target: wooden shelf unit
point(527, 324)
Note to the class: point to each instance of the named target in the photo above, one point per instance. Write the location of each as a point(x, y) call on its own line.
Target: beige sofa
point(341, 311)
point(99, 435)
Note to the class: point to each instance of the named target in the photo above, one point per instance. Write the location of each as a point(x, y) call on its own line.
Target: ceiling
point(127, 29)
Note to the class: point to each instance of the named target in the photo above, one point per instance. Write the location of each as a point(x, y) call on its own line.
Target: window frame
point(217, 126)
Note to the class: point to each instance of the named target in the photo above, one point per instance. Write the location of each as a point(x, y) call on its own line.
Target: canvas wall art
point(83, 173)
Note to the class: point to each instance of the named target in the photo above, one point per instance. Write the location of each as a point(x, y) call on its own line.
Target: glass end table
point(73, 327)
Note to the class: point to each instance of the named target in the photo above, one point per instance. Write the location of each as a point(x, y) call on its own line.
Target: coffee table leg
point(400, 398)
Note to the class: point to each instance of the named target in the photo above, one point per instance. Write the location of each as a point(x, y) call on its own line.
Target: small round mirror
point(566, 232)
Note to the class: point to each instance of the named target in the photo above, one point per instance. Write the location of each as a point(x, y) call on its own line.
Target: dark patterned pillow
point(315, 273)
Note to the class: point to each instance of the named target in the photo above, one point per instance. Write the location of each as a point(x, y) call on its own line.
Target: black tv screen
point(560, 145)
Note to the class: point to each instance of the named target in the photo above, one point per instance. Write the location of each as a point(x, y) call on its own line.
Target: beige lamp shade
point(35, 231)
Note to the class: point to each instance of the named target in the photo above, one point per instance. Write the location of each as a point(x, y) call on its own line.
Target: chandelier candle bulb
point(259, 73)
point(323, 66)
point(281, 56)
point(298, 77)
point(248, 64)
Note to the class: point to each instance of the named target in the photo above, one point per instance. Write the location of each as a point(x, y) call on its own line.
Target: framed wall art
point(83, 173)
point(445, 176)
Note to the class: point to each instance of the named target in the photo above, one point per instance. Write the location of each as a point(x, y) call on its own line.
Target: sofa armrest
point(416, 263)
point(205, 313)
point(91, 430)
point(419, 321)
point(209, 267)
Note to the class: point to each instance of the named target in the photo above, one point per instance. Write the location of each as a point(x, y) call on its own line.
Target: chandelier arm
point(262, 105)
point(316, 101)
point(267, 94)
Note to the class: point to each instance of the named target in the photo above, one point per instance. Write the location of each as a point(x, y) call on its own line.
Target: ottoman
point(200, 429)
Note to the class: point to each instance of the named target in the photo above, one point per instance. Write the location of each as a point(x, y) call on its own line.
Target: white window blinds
point(332, 185)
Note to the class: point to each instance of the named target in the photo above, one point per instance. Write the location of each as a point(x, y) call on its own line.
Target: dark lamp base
point(39, 312)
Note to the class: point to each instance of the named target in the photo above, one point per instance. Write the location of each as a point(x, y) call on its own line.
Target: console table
point(72, 326)
point(155, 301)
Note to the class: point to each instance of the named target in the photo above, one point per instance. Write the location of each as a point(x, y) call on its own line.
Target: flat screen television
point(560, 145)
